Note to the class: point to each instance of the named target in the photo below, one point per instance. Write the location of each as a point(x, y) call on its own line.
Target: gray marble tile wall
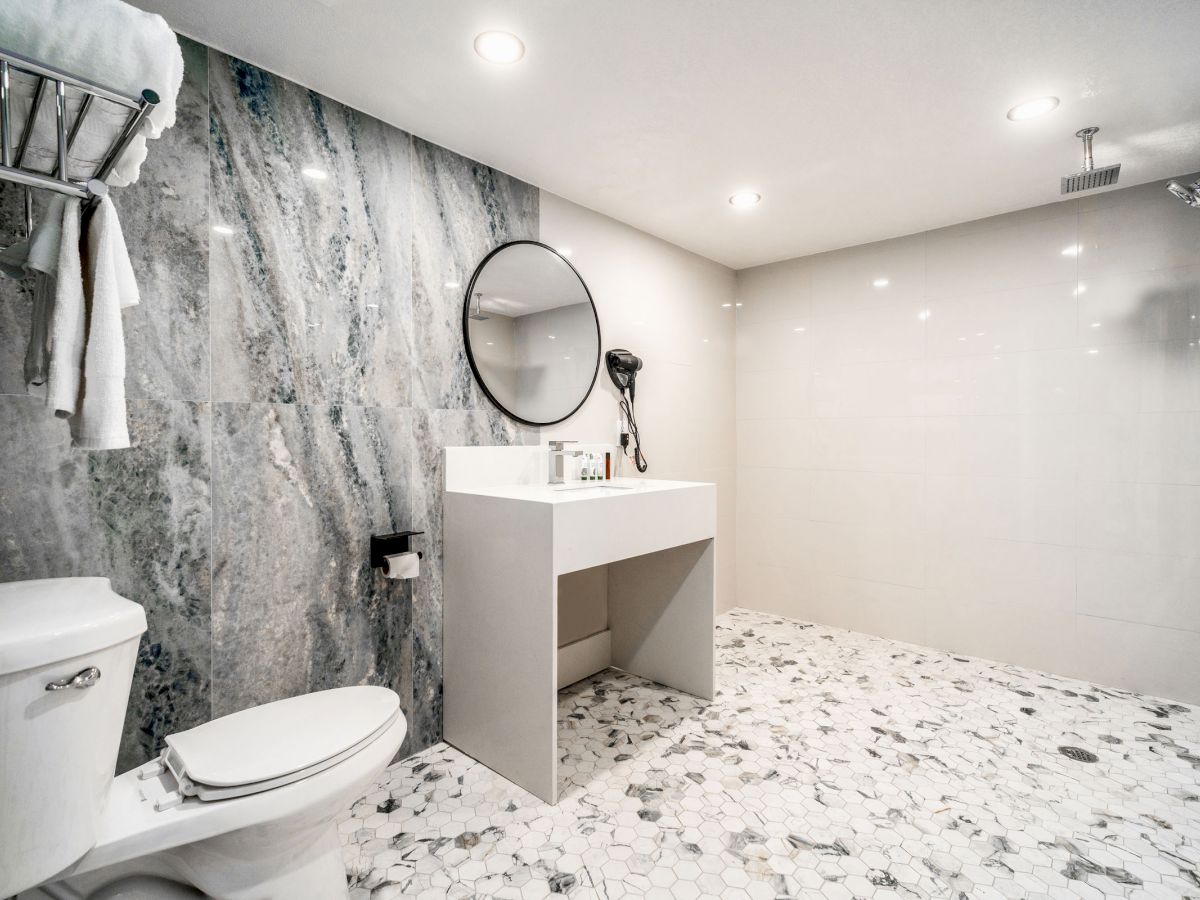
point(291, 386)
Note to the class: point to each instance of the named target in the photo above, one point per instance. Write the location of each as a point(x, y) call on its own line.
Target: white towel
point(100, 421)
point(108, 42)
point(67, 319)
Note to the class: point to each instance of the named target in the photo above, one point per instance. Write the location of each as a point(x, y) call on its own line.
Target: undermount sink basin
point(592, 487)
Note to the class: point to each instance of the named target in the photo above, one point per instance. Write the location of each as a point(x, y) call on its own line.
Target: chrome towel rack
point(87, 186)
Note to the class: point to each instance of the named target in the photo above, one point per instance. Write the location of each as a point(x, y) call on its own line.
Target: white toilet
point(241, 808)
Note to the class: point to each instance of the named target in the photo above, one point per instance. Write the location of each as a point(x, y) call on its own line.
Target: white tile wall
point(996, 452)
point(675, 310)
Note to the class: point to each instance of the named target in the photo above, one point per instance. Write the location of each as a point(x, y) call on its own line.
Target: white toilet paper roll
point(402, 565)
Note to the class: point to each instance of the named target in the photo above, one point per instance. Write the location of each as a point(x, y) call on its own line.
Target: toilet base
point(248, 864)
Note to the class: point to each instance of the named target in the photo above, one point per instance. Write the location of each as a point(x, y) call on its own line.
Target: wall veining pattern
point(986, 439)
point(291, 386)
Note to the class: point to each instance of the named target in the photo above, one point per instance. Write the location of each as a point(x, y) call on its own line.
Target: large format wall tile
point(139, 516)
point(311, 293)
point(164, 217)
point(464, 209)
point(314, 365)
point(298, 491)
point(1002, 418)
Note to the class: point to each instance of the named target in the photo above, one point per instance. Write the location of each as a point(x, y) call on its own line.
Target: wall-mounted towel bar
point(66, 176)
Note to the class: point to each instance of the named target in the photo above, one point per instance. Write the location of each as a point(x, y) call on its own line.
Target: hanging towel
point(66, 318)
point(108, 42)
point(38, 256)
point(100, 422)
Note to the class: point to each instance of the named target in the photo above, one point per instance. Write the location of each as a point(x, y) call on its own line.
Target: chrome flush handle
point(84, 678)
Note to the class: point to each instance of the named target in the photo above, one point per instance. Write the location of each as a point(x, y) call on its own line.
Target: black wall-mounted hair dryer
point(623, 367)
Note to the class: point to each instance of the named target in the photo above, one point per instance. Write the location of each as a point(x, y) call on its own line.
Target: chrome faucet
point(557, 452)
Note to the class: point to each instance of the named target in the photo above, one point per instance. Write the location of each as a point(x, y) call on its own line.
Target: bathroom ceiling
point(857, 120)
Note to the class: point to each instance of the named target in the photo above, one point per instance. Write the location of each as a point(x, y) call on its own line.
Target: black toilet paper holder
point(385, 545)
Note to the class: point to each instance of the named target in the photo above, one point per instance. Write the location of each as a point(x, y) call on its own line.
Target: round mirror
point(531, 332)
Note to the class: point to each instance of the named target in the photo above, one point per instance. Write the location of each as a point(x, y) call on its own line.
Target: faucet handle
point(559, 445)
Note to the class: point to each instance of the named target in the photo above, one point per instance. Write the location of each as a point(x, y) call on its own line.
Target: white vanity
point(646, 546)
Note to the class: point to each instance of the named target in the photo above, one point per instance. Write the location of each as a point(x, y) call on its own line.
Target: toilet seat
point(268, 746)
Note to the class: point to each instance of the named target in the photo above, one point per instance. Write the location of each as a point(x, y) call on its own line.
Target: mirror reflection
point(531, 333)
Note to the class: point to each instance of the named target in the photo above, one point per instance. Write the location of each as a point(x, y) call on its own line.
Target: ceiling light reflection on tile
point(880, 282)
point(314, 173)
point(222, 229)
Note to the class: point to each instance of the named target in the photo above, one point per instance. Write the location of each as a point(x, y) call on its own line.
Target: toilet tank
point(67, 650)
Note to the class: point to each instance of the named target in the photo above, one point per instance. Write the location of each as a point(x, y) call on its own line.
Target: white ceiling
point(856, 119)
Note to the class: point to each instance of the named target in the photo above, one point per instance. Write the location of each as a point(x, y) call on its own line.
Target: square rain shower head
point(1089, 180)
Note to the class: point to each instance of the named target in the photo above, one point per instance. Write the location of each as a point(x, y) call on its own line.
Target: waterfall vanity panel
point(508, 537)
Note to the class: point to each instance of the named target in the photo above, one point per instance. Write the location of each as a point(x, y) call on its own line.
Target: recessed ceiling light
point(745, 198)
point(880, 282)
point(222, 229)
point(314, 173)
point(499, 47)
point(1032, 108)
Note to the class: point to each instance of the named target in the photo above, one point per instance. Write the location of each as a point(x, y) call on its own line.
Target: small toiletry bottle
point(586, 474)
point(607, 466)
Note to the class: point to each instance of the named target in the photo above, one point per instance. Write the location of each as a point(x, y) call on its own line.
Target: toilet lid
point(269, 743)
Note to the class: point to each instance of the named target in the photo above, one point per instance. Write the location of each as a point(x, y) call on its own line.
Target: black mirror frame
point(471, 356)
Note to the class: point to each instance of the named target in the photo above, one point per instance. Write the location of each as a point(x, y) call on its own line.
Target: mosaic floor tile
point(831, 765)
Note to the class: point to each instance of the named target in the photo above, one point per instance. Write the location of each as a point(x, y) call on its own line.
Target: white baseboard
point(584, 657)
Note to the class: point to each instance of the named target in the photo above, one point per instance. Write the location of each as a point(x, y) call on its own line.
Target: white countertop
point(575, 491)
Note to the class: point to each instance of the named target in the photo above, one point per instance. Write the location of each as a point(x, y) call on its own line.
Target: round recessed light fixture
point(1031, 109)
point(744, 199)
point(314, 173)
point(500, 47)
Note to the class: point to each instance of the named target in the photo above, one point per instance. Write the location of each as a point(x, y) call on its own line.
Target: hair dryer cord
point(639, 458)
